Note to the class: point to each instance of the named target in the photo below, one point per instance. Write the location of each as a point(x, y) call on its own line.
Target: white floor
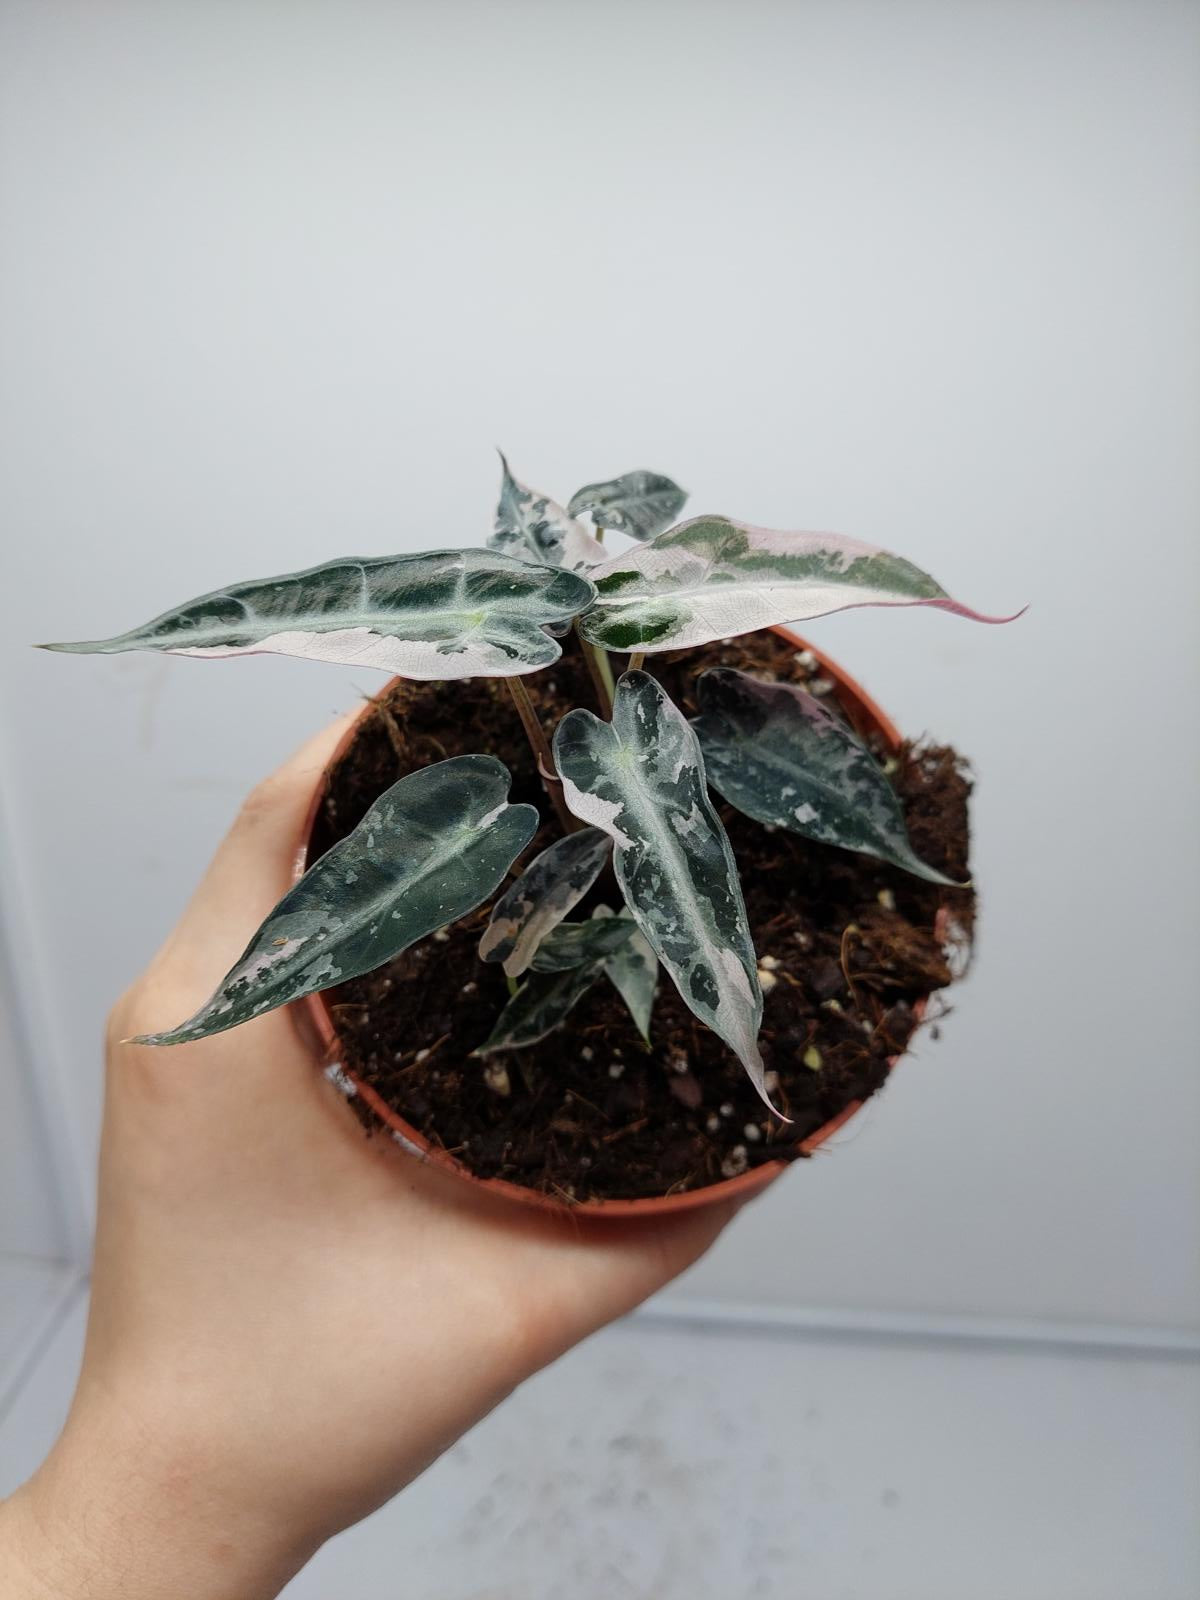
point(678, 1463)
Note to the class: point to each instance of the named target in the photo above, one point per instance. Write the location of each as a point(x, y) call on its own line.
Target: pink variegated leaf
point(712, 578)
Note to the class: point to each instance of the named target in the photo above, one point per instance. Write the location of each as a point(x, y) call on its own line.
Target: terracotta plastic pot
point(866, 717)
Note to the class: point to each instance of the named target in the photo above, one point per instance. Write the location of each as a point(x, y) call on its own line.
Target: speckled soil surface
point(847, 948)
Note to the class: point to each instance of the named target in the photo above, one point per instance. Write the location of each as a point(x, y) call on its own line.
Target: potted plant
point(570, 1006)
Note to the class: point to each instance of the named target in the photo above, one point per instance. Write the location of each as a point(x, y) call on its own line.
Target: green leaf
point(539, 1006)
point(640, 504)
point(781, 757)
point(633, 973)
point(578, 944)
point(711, 578)
point(641, 779)
point(536, 528)
point(450, 614)
point(431, 848)
point(551, 886)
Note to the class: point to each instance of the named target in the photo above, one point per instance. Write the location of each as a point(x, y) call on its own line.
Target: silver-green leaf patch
point(781, 757)
point(641, 779)
point(640, 504)
point(450, 614)
point(711, 578)
point(431, 848)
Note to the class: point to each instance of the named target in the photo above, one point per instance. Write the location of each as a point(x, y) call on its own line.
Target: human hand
point(288, 1322)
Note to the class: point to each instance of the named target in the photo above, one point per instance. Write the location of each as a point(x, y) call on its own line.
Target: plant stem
point(599, 671)
point(635, 661)
point(540, 746)
point(606, 672)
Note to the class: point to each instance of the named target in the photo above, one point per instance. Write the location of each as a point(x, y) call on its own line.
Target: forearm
point(93, 1524)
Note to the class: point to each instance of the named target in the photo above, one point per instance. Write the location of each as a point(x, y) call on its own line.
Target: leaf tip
point(770, 1104)
point(922, 869)
point(780, 1116)
point(87, 647)
point(960, 610)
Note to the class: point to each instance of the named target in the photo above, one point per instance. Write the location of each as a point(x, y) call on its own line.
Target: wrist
point(100, 1521)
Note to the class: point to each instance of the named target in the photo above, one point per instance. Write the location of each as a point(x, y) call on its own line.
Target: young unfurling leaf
point(578, 944)
point(778, 755)
point(540, 1005)
point(640, 777)
point(535, 528)
point(711, 578)
point(430, 849)
point(633, 972)
point(451, 614)
point(640, 504)
point(550, 887)
point(568, 962)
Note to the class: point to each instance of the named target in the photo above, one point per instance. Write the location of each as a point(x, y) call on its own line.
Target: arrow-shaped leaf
point(534, 527)
point(641, 779)
point(551, 886)
point(780, 756)
point(633, 973)
point(640, 504)
point(540, 1005)
point(711, 578)
point(578, 944)
point(450, 614)
point(431, 848)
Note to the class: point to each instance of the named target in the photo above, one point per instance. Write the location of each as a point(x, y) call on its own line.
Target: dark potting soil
point(847, 946)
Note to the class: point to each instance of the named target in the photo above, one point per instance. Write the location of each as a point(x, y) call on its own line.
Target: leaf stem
point(542, 753)
point(635, 661)
point(600, 672)
point(606, 672)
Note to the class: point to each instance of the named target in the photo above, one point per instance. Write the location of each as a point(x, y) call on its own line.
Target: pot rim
point(866, 715)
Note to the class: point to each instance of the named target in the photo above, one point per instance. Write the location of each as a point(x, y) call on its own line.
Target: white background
point(275, 280)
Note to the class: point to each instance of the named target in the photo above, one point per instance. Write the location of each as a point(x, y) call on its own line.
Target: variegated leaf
point(431, 848)
point(780, 756)
point(450, 614)
point(633, 973)
point(534, 527)
point(578, 944)
point(711, 578)
point(640, 504)
point(641, 779)
point(550, 887)
point(539, 1006)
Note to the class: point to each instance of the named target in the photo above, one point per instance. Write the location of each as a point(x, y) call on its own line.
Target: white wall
point(43, 1201)
point(30, 1219)
point(279, 276)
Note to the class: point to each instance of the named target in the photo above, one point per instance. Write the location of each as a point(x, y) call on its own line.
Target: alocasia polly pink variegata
point(439, 843)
